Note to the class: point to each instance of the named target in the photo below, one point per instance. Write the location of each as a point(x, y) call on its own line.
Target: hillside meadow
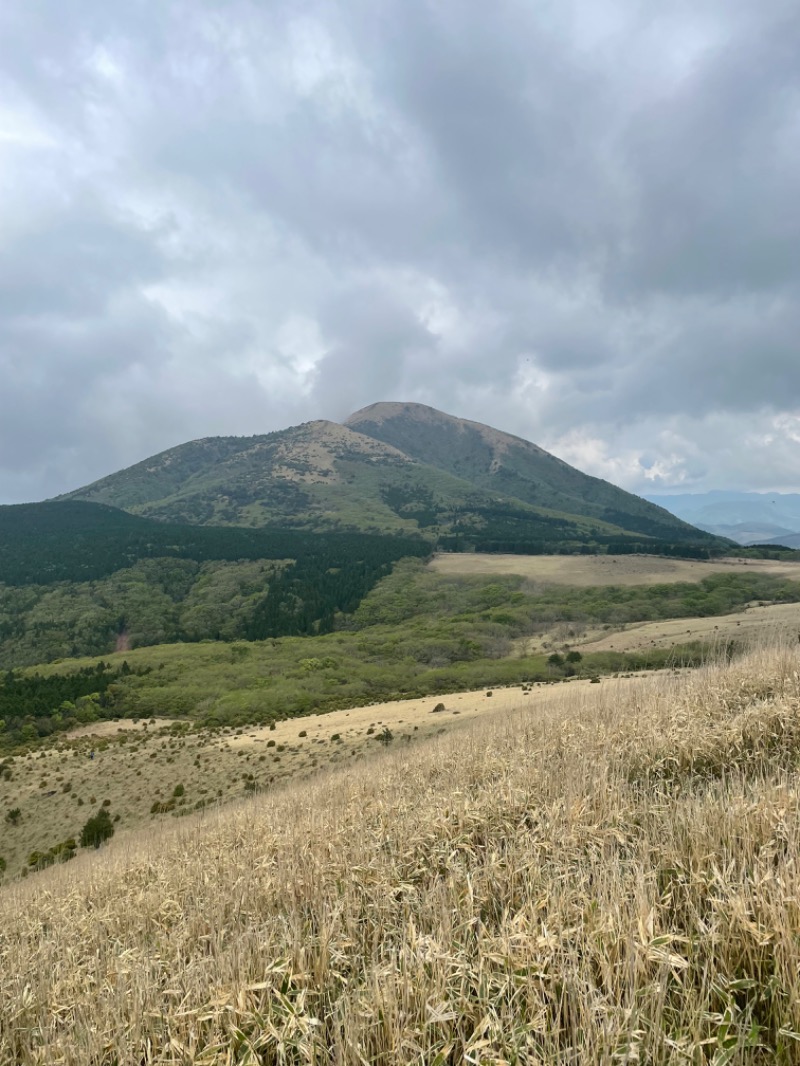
point(418, 632)
point(598, 570)
point(150, 772)
point(608, 878)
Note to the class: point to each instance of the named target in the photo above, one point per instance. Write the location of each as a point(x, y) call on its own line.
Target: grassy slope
point(501, 463)
point(613, 880)
point(593, 570)
point(139, 764)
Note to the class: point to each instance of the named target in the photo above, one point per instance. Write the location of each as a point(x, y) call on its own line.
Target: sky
point(574, 220)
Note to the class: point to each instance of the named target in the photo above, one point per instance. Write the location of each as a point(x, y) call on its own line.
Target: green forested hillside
point(453, 482)
point(84, 579)
point(72, 540)
point(417, 632)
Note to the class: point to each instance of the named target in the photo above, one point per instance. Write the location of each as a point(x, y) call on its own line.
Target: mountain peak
point(415, 414)
point(379, 412)
point(391, 467)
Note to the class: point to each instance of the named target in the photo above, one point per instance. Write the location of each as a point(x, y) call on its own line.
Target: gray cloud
point(576, 222)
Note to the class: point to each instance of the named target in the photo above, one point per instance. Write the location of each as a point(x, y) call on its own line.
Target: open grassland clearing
point(594, 570)
point(147, 772)
point(781, 620)
point(611, 878)
point(754, 623)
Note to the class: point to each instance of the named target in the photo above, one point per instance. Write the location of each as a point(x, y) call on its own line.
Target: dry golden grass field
point(587, 570)
point(57, 789)
point(780, 621)
point(606, 876)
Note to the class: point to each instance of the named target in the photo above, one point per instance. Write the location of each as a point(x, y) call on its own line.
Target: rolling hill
point(392, 468)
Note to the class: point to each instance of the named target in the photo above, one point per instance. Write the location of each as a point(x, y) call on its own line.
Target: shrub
point(13, 816)
point(438, 708)
point(62, 852)
point(178, 791)
point(97, 829)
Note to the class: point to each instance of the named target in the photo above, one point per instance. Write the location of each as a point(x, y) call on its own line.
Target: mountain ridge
point(745, 517)
point(390, 468)
point(502, 462)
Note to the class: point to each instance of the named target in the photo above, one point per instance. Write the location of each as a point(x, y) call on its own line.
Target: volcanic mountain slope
point(504, 464)
point(390, 468)
point(318, 474)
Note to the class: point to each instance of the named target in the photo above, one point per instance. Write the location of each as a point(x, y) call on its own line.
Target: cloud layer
point(576, 221)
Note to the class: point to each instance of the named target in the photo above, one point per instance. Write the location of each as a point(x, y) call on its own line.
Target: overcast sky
point(578, 221)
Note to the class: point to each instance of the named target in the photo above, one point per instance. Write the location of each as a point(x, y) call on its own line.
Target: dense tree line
point(35, 706)
point(505, 528)
point(305, 598)
point(76, 541)
point(170, 583)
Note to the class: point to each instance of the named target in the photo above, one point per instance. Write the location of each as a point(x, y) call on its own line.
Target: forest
point(416, 632)
point(35, 706)
point(72, 540)
point(85, 579)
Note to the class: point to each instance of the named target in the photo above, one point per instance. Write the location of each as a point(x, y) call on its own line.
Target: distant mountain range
point(745, 517)
point(391, 468)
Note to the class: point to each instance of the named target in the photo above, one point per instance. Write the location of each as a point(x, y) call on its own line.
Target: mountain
point(746, 517)
point(788, 540)
point(391, 468)
point(504, 464)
